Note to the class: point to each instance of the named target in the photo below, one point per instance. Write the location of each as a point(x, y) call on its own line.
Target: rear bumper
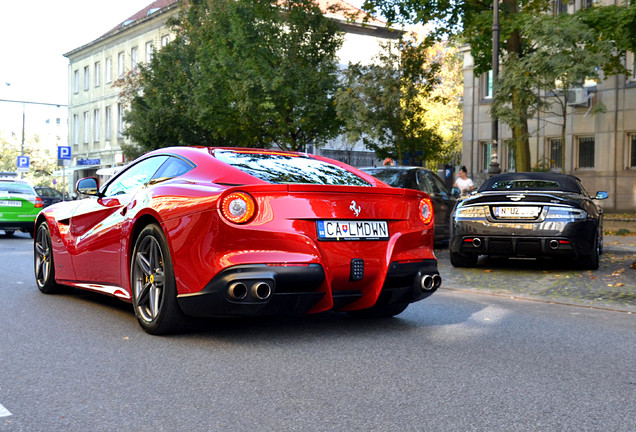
point(26, 226)
point(524, 240)
point(297, 289)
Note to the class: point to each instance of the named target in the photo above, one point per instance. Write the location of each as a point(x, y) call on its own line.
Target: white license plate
point(352, 230)
point(7, 203)
point(517, 212)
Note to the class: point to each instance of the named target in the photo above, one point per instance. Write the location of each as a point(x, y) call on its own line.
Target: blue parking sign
point(64, 152)
point(23, 163)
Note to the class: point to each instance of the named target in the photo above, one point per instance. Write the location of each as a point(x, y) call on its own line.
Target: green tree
point(239, 73)
point(472, 20)
point(380, 103)
point(565, 53)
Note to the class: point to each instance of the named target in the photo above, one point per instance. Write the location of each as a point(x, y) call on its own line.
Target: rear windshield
point(281, 168)
point(16, 188)
point(525, 185)
point(563, 184)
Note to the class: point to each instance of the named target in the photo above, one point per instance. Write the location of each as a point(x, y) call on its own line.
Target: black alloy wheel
point(43, 261)
point(153, 289)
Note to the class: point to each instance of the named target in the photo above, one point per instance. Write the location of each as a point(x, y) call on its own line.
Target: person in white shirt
point(462, 182)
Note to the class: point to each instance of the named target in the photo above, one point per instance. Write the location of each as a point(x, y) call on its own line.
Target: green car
point(19, 205)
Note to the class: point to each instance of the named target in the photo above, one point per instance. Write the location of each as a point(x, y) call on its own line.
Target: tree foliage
point(239, 73)
point(472, 21)
point(381, 103)
point(564, 53)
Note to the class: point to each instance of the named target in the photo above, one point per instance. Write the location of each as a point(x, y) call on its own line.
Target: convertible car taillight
point(238, 207)
point(566, 213)
point(426, 210)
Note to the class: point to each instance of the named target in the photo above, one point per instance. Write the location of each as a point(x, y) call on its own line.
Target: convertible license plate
point(518, 212)
point(7, 203)
point(352, 230)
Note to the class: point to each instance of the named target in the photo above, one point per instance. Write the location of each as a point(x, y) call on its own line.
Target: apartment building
point(599, 148)
point(96, 112)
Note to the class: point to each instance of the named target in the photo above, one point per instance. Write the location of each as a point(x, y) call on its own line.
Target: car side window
point(424, 182)
point(172, 167)
point(439, 185)
point(135, 177)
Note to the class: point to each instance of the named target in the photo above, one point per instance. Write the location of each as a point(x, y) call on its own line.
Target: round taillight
point(38, 202)
point(426, 210)
point(238, 207)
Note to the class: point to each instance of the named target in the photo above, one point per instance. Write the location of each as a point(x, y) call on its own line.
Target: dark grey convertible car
point(528, 215)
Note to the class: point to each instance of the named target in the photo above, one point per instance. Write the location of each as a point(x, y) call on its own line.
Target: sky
point(35, 35)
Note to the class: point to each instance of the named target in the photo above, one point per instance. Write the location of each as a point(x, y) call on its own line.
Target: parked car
point(529, 215)
point(49, 195)
point(205, 232)
point(19, 205)
point(424, 180)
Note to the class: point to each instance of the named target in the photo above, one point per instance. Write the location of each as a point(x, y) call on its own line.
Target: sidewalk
point(612, 286)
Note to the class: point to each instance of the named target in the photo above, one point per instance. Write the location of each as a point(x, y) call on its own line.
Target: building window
point(133, 59)
point(631, 64)
point(76, 128)
point(165, 40)
point(485, 153)
point(87, 127)
point(76, 82)
point(586, 152)
point(120, 121)
point(510, 150)
point(586, 4)
point(560, 7)
point(149, 51)
point(120, 65)
point(556, 150)
point(108, 70)
point(487, 80)
point(96, 124)
point(632, 151)
point(97, 74)
point(107, 123)
point(86, 78)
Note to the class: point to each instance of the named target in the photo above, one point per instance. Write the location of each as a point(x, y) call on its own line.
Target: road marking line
point(4, 412)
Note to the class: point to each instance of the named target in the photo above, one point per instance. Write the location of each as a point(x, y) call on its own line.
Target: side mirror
point(601, 195)
point(455, 192)
point(88, 186)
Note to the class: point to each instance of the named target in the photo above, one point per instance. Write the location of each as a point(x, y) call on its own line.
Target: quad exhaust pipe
point(429, 282)
point(259, 290)
point(237, 291)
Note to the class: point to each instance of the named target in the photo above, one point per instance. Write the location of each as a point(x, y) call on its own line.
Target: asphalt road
point(457, 361)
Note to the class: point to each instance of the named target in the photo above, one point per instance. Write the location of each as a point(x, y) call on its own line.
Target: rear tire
point(153, 287)
point(43, 264)
point(461, 260)
point(591, 261)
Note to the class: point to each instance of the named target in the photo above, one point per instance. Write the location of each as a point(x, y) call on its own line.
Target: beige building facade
point(96, 113)
point(599, 148)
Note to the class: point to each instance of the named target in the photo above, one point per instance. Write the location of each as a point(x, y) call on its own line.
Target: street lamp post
point(494, 164)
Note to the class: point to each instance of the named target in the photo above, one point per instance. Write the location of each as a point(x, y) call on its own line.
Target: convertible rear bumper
point(524, 239)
